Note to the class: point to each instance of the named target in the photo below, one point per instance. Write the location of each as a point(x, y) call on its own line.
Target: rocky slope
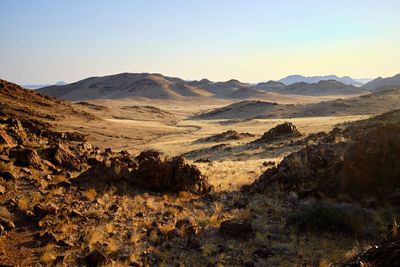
point(380, 82)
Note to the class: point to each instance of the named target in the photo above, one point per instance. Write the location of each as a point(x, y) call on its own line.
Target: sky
point(45, 41)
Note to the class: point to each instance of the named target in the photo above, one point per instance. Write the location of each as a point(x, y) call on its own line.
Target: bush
point(325, 216)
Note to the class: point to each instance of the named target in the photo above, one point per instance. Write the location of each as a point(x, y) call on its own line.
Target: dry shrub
point(94, 237)
point(89, 194)
point(23, 203)
point(165, 228)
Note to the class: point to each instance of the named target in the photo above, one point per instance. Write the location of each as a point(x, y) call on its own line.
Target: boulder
point(160, 173)
point(61, 155)
point(26, 157)
point(281, 131)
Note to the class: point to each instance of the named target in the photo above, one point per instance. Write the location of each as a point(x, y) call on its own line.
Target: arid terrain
point(166, 172)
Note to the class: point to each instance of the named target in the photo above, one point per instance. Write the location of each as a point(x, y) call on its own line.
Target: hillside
point(270, 86)
point(314, 79)
point(376, 84)
point(374, 103)
point(19, 102)
point(329, 87)
point(125, 85)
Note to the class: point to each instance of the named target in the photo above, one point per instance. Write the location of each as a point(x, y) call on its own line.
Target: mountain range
point(314, 79)
point(157, 86)
point(37, 86)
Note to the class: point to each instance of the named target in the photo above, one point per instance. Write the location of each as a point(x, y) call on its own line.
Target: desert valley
point(140, 169)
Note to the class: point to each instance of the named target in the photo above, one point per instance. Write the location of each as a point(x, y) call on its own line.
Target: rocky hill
point(314, 79)
point(126, 85)
point(328, 87)
point(380, 83)
point(374, 103)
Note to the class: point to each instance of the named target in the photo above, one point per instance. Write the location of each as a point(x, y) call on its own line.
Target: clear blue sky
point(47, 41)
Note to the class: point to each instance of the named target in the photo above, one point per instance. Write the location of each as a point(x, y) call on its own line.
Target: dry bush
point(4, 213)
point(89, 194)
point(23, 203)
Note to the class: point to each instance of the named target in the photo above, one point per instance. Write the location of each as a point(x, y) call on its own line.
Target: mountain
point(321, 88)
point(125, 85)
point(314, 79)
point(270, 86)
point(233, 89)
point(373, 103)
point(382, 82)
point(37, 86)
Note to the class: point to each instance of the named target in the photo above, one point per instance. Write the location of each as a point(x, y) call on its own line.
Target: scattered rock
point(236, 229)
point(174, 233)
point(263, 252)
point(4, 158)
point(187, 226)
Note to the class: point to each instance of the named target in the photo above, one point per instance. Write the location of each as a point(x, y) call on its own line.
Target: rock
point(47, 238)
point(236, 229)
point(384, 254)
point(284, 130)
point(8, 176)
point(60, 155)
point(95, 258)
point(5, 139)
point(2, 190)
point(187, 226)
point(42, 210)
point(26, 157)
point(372, 165)
point(174, 233)
point(7, 224)
point(4, 158)
point(268, 163)
point(159, 173)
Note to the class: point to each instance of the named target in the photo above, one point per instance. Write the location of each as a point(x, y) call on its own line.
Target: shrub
point(325, 216)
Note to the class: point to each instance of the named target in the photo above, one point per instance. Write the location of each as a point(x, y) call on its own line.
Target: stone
point(7, 224)
point(95, 258)
point(2, 190)
point(174, 233)
point(42, 210)
point(61, 155)
point(5, 139)
point(26, 157)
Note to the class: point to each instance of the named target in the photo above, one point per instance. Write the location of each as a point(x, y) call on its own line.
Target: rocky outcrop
point(281, 131)
point(158, 172)
point(225, 136)
point(367, 166)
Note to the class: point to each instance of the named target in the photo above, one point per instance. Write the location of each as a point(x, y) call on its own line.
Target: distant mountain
point(126, 85)
point(373, 103)
point(314, 79)
point(233, 89)
point(321, 88)
point(270, 86)
point(374, 85)
point(37, 86)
